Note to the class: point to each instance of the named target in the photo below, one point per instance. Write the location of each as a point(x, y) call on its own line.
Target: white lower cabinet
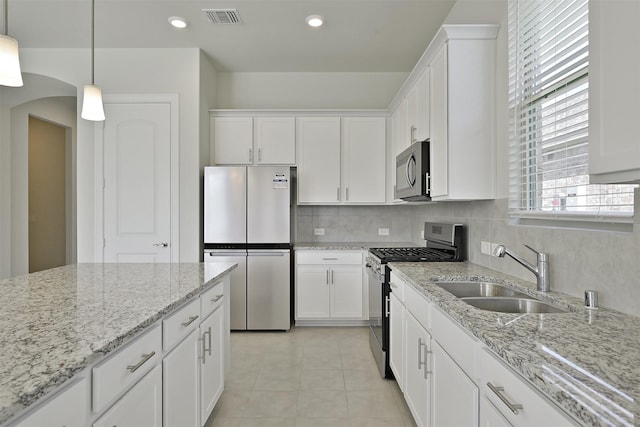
point(518, 403)
point(397, 339)
point(417, 387)
point(490, 416)
point(212, 362)
point(455, 395)
point(140, 406)
point(329, 285)
point(56, 411)
point(180, 371)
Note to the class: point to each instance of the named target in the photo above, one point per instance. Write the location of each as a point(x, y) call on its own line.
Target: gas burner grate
point(410, 254)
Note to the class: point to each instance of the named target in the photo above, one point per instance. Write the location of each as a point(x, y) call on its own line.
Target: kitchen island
point(585, 361)
point(57, 323)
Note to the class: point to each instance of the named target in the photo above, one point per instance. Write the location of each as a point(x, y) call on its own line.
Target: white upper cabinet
point(318, 159)
point(233, 140)
point(462, 113)
point(341, 161)
point(275, 140)
point(254, 140)
point(614, 91)
point(363, 159)
point(418, 110)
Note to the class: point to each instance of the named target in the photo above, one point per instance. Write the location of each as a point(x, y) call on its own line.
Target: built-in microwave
point(412, 173)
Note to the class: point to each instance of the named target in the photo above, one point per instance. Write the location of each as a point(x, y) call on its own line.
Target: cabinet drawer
point(180, 323)
point(326, 257)
point(460, 346)
point(211, 299)
point(69, 408)
point(418, 306)
point(536, 410)
point(128, 365)
point(397, 286)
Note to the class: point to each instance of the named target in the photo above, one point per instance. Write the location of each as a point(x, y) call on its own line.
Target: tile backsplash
point(353, 223)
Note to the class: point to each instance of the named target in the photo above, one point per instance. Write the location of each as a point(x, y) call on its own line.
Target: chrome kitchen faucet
point(541, 271)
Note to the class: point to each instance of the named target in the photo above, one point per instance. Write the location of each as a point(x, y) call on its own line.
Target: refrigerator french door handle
point(236, 253)
point(266, 253)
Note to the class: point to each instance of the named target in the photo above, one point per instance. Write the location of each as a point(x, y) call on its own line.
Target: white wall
point(39, 97)
point(608, 262)
point(132, 71)
point(308, 90)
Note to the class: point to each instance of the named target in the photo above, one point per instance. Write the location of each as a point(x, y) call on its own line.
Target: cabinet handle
point(204, 349)
point(327, 277)
point(347, 193)
point(498, 392)
point(329, 259)
point(209, 333)
point(338, 194)
point(422, 357)
point(332, 276)
point(189, 321)
point(217, 298)
point(428, 180)
point(250, 155)
point(145, 358)
point(259, 154)
point(413, 131)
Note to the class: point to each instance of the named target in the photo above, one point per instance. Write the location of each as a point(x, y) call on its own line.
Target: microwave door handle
point(411, 171)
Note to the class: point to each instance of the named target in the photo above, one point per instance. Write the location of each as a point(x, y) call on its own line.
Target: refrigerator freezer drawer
point(238, 279)
point(268, 290)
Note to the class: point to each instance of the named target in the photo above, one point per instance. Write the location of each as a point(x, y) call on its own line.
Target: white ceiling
point(359, 35)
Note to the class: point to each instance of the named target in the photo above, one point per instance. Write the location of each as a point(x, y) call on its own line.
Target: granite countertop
point(586, 361)
point(344, 246)
point(56, 323)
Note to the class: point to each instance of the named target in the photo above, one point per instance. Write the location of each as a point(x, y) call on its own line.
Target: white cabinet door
point(455, 396)
point(180, 372)
point(614, 91)
point(363, 159)
point(490, 416)
point(417, 384)
point(346, 291)
point(211, 362)
point(140, 406)
point(69, 408)
point(396, 339)
point(233, 140)
point(412, 114)
point(313, 292)
point(422, 112)
point(319, 159)
point(275, 140)
point(439, 160)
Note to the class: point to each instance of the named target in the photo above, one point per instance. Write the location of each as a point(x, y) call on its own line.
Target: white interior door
point(137, 182)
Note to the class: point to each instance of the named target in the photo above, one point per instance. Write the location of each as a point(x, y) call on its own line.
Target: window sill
point(578, 221)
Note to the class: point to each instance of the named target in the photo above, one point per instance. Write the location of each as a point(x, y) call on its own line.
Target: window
point(548, 101)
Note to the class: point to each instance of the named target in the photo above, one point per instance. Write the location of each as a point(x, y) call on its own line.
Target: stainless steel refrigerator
point(248, 220)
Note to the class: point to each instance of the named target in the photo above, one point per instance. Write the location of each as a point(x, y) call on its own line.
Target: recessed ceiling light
point(315, 21)
point(178, 22)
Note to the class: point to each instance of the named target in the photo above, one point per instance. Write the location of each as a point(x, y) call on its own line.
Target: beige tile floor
point(308, 377)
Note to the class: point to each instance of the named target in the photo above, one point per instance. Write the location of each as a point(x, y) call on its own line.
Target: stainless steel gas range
point(444, 244)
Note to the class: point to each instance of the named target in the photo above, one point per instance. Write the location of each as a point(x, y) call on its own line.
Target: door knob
point(162, 245)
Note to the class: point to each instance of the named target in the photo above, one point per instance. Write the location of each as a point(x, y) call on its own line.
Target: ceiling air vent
point(223, 16)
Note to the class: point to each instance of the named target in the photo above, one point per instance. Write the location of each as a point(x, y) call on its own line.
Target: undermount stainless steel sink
point(512, 305)
point(480, 289)
point(495, 297)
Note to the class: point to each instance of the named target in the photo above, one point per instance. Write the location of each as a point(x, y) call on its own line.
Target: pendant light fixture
point(10, 74)
point(92, 108)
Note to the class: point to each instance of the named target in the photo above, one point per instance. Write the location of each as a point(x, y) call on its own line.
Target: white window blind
point(548, 95)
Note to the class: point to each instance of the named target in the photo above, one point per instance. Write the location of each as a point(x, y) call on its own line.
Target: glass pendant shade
point(92, 108)
point(10, 74)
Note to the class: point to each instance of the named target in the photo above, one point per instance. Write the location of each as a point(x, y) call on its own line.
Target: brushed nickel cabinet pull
point(250, 155)
point(189, 321)
point(145, 358)
point(217, 298)
point(514, 407)
point(209, 333)
point(204, 350)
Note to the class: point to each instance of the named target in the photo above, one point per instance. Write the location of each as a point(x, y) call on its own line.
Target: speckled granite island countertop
point(344, 246)
point(586, 361)
point(55, 323)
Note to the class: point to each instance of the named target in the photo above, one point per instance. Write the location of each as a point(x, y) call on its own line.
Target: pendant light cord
point(93, 24)
point(6, 17)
